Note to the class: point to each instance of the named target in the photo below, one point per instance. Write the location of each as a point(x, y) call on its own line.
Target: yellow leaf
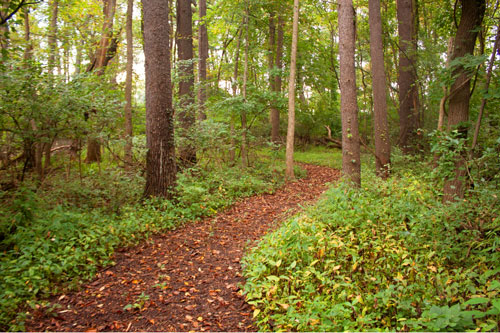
point(256, 312)
point(284, 306)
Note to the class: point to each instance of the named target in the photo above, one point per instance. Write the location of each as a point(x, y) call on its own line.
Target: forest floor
point(183, 280)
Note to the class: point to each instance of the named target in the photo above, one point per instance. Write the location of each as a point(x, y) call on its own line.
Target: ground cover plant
point(58, 234)
point(390, 256)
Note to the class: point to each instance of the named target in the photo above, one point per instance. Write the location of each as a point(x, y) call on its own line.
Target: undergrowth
point(55, 235)
point(387, 257)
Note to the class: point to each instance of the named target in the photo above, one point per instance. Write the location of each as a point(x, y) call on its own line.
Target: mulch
point(184, 280)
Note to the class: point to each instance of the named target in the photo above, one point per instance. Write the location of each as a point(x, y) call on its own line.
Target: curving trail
point(183, 280)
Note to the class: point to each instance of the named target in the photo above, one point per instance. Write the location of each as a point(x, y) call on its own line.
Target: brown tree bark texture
point(351, 164)
point(160, 158)
point(290, 134)
point(202, 63)
point(275, 112)
point(186, 113)
point(128, 83)
point(408, 114)
point(381, 127)
point(465, 41)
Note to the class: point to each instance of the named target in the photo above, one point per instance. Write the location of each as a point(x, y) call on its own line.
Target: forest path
point(184, 280)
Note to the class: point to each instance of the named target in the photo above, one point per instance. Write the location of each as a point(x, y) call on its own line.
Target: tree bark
point(442, 103)
point(290, 134)
point(232, 152)
point(272, 82)
point(465, 41)
point(408, 94)
point(244, 139)
point(128, 84)
point(381, 127)
point(52, 36)
point(160, 159)
point(351, 163)
point(275, 112)
point(486, 88)
point(202, 63)
point(186, 112)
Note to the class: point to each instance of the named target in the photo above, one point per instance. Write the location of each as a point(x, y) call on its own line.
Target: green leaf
point(477, 300)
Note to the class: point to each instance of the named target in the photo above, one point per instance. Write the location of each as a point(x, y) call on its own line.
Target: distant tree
point(244, 137)
point(381, 128)
point(458, 114)
point(160, 158)
point(104, 53)
point(128, 83)
point(351, 163)
point(290, 135)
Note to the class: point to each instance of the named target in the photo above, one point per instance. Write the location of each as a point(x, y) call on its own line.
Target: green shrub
point(389, 256)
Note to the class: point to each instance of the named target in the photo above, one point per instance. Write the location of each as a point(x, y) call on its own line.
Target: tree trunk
point(128, 84)
point(381, 128)
point(442, 103)
point(351, 163)
point(244, 143)
point(486, 88)
point(202, 64)
point(232, 152)
point(160, 158)
point(270, 66)
point(52, 37)
point(104, 53)
point(465, 40)
point(290, 134)
point(186, 112)
point(408, 94)
point(275, 112)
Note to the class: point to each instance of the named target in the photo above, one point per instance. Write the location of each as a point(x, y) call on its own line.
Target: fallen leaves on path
point(184, 280)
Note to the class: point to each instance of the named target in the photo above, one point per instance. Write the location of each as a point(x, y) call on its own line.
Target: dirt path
point(184, 280)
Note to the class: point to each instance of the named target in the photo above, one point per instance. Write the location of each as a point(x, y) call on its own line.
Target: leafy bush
point(390, 256)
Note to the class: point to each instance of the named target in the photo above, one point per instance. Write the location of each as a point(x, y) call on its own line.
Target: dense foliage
point(389, 256)
point(53, 236)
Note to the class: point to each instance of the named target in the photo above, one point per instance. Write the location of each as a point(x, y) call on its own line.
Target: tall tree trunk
point(381, 128)
point(408, 93)
point(4, 27)
point(160, 158)
point(486, 88)
point(244, 143)
point(52, 36)
point(232, 152)
point(465, 40)
point(105, 52)
point(290, 134)
point(28, 50)
point(186, 113)
point(128, 83)
point(202, 63)
point(272, 82)
point(351, 163)
point(275, 112)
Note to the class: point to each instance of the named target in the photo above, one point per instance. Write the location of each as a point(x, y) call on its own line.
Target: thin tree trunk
point(28, 50)
point(203, 56)
point(128, 84)
point(351, 163)
point(290, 134)
point(244, 143)
point(486, 88)
point(52, 36)
point(160, 158)
point(465, 40)
point(272, 82)
point(381, 128)
point(232, 153)
point(186, 112)
point(275, 112)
